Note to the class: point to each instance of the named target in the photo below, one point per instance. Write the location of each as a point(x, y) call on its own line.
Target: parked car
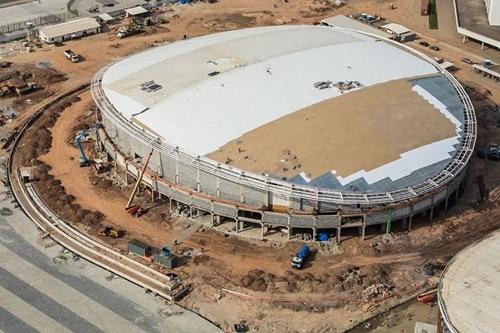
point(424, 44)
point(435, 48)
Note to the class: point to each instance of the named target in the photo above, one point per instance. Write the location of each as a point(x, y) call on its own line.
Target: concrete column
point(431, 212)
point(338, 234)
point(212, 220)
point(363, 228)
point(314, 233)
point(464, 39)
point(409, 222)
point(289, 228)
point(482, 46)
point(262, 234)
point(456, 194)
point(237, 228)
point(170, 204)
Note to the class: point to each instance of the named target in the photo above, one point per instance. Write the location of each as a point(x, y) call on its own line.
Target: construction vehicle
point(72, 56)
point(492, 153)
point(300, 257)
point(29, 87)
point(109, 231)
point(5, 90)
point(130, 29)
point(135, 210)
point(84, 161)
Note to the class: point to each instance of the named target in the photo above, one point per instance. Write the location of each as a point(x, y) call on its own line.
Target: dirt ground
point(352, 131)
point(344, 286)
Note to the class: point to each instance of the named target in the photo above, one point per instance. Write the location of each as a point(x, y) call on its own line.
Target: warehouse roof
point(69, 27)
point(469, 295)
point(136, 11)
point(106, 17)
point(207, 93)
point(398, 29)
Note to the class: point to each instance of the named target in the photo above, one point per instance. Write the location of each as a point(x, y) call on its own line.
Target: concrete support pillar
point(363, 228)
point(464, 39)
point(383, 227)
point(289, 232)
point(404, 222)
point(314, 232)
point(431, 211)
point(409, 222)
point(338, 234)
point(170, 204)
point(482, 46)
point(212, 219)
point(263, 232)
point(456, 194)
point(446, 203)
point(237, 228)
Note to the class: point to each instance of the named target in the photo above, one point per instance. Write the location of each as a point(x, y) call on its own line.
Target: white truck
point(72, 56)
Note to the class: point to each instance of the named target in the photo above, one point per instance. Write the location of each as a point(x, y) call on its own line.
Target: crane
point(84, 161)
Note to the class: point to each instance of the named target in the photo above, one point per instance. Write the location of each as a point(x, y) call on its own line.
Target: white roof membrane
point(264, 74)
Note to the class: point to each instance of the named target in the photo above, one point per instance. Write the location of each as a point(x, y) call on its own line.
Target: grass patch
point(433, 16)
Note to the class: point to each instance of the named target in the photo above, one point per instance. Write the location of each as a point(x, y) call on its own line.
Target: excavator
point(109, 231)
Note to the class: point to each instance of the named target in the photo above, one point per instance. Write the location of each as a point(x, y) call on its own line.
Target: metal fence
point(39, 21)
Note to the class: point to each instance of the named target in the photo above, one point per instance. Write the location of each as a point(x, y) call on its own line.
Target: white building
point(69, 30)
point(493, 10)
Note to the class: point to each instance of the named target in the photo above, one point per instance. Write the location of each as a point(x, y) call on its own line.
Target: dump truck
point(72, 56)
point(300, 257)
point(109, 231)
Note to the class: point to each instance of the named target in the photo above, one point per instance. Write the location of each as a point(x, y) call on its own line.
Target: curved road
point(43, 289)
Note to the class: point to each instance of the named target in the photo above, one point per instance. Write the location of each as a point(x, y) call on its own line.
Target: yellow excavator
point(109, 231)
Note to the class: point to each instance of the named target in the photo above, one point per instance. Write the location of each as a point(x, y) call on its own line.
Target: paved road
point(45, 289)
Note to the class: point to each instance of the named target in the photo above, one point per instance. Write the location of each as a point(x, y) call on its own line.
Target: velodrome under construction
point(308, 128)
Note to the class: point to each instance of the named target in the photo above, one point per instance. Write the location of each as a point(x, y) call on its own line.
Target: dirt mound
point(290, 282)
point(38, 141)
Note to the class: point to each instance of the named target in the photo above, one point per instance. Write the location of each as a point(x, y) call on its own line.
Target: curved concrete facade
point(256, 200)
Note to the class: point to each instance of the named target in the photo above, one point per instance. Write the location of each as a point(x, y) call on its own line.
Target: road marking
point(29, 314)
point(60, 292)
